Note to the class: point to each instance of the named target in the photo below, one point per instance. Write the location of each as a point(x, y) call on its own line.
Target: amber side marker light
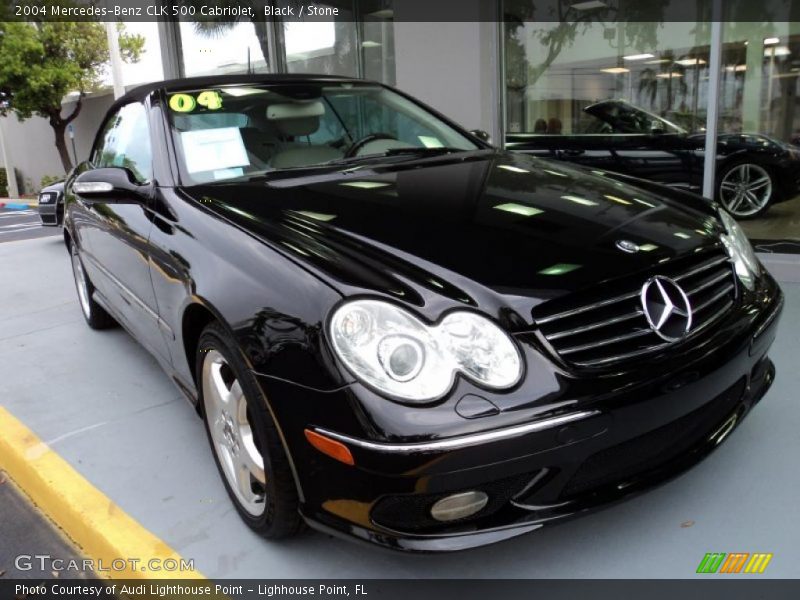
point(329, 447)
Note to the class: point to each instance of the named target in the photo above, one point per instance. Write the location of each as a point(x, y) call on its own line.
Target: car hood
point(491, 229)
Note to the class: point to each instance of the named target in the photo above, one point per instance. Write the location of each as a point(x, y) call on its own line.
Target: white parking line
point(18, 226)
point(18, 230)
point(17, 213)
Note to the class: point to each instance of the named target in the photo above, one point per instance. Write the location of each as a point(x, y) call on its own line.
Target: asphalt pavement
point(24, 224)
point(25, 534)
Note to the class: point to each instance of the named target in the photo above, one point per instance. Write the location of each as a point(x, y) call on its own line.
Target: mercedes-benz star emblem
point(628, 246)
point(667, 308)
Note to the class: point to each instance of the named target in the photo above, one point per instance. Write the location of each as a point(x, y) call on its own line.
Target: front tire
point(244, 440)
point(95, 315)
point(746, 189)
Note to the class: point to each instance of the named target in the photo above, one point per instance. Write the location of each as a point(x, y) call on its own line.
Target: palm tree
point(669, 72)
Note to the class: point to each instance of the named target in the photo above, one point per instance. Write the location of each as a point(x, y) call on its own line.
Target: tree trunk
point(263, 40)
point(59, 128)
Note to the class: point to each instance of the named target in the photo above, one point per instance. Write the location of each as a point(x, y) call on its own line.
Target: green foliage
point(43, 62)
point(48, 179)
point(4, 182)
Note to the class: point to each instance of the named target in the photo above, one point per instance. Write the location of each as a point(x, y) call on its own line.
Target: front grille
point(49, 219)
point(656, 448)
point(607, 325)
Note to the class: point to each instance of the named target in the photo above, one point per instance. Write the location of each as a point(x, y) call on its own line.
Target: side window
point(125, 142)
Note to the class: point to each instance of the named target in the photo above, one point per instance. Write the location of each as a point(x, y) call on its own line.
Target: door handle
point(572, 152)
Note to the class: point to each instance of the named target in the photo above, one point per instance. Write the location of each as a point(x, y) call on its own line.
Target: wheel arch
point(196, 317)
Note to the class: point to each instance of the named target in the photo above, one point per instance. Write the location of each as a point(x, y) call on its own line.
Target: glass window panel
point(377, 40)
point(555, 70)
point(149, 67)
point(759, 98)
point(221, 47)
point(126, 142)
point(627, 96)
point(326, 46)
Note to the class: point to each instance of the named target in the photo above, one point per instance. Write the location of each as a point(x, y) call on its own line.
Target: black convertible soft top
point(142, 91)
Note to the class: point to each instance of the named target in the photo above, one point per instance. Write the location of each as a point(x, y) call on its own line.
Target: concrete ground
point(780, 222)
point(104, 405)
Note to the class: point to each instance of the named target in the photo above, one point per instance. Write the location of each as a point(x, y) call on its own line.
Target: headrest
point(296, 118)
point(298, 127)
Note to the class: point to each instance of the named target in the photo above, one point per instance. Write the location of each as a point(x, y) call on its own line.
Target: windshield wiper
point(350, 160)
point(422, 150)
point(414, 150)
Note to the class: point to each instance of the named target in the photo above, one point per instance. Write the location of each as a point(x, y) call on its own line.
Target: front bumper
point(626, 440)
point(51, 214)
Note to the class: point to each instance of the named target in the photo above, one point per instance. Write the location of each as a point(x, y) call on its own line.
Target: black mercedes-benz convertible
point(397, 333)
point(753, 170)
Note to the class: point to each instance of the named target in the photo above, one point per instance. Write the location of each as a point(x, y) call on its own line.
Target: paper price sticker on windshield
point(213, 149)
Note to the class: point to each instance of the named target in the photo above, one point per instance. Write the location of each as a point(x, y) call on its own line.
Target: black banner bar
point(400, 10)
point(710, 588)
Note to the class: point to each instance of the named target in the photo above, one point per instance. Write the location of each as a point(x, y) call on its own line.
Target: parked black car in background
point(51, 204)
point(754, 171)
point(397, 333)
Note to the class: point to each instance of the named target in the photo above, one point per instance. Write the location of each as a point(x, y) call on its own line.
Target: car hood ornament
point(628, 246)
point(666, 307)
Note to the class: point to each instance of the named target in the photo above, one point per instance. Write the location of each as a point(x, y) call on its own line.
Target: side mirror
point(482, 135)
point(111, 184)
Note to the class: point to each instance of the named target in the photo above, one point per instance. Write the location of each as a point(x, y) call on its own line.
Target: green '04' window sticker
point(184, 103)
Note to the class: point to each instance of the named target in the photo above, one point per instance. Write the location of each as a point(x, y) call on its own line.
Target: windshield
point(234, 131)
point(626, 118)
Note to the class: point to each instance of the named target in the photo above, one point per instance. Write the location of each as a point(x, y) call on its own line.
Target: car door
point(645, 145)
point(613, 136)
point(579, 138)
point(115, 231)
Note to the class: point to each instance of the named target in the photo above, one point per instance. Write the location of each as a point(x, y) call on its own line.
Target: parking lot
point(103, 405)
point(21, 224)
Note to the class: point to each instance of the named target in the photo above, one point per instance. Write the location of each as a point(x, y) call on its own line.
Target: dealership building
point(504, 66)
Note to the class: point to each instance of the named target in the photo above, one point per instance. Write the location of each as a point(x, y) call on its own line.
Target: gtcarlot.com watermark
point(44, 562)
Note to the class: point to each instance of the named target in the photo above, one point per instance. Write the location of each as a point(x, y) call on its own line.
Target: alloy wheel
point(232, 433)
point(80, 282)
point(745, 189)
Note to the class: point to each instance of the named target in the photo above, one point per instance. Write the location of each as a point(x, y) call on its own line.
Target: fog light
point(459, 506)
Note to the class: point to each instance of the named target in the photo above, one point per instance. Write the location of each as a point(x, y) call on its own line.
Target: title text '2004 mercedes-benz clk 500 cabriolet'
point(398, 333)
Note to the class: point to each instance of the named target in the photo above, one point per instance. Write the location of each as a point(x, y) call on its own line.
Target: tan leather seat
point(297, 121)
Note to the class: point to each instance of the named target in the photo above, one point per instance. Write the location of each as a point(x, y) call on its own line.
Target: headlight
point(393, 351)
point(740, 250)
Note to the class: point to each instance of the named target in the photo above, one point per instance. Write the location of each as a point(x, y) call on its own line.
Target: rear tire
point(95, 315)
point(244, 440)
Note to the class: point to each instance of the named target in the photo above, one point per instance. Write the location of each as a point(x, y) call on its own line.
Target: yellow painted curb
point(104, 532)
